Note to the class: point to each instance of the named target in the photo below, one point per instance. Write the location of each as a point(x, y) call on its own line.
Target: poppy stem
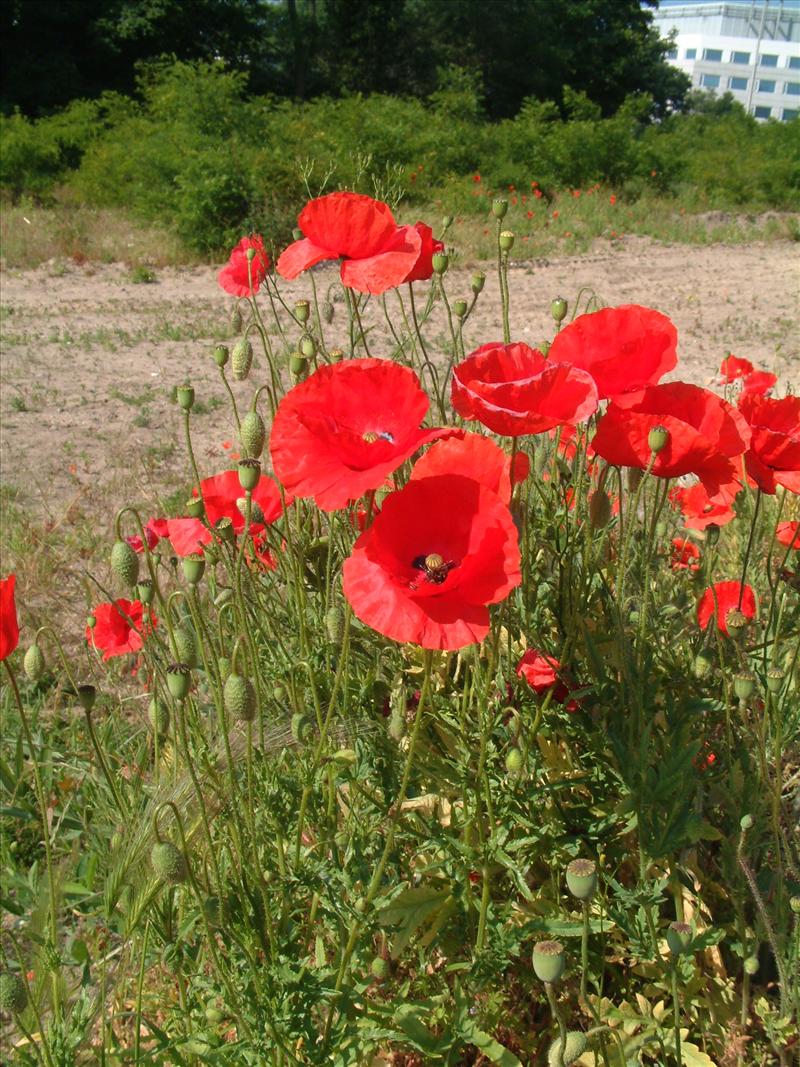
point(753, 524)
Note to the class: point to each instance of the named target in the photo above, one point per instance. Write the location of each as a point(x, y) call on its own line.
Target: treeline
point(194, 152)
point(56, 51)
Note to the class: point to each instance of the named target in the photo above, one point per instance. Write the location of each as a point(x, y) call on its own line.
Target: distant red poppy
point(733, 368)
point(705, 434)
point(720, 600)
point(758, 383)
point(377, 254)
point(685, 555)
point(423, 268)
point(119, 628)
point(9, 627)
point(513, 390)
point(543, 672)
point(538, 194)
point(236, 276)
point(624, 348)
point(698, 511)
point(472, 455)
point(438, 553)
point(224, 497)
point(612, 200)
point(339, 433)
point(788, 533)
point(774, 455)
point(154, 530)
point(188, 536)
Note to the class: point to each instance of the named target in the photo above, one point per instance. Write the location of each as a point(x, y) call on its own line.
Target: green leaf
point(496, 1052)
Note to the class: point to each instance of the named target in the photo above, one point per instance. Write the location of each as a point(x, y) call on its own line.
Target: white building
point(750, 48)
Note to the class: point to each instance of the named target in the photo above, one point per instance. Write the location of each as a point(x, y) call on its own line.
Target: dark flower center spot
point(434, 567)
point(371, 436)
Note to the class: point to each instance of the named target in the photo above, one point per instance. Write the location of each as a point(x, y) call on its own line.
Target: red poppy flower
point(423, 268)
point(9, 627)
point(774, 455)
point(705, 434)
point(119, 628)
point(543, 672)
point(623, 348)
point(472, 455)
point(154, 530)
point(732, 368)
point(698, 511)
point(758, 383)
point(224, 497)
point(439, 551)
point(236, 276)
point(514, 390)
point(787, 533)
point(187, 536)
point(378, 254)
point(339, 433)
point(685, 555)
point(720, 600)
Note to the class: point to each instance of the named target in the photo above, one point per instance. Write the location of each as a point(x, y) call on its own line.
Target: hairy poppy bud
point(751, 965)
point(300, 726)
point(514, 762)
point(184, 645)
point(658, 439)
point(158, 717)
point(221, 353)
point(633, 477)
point(746, 822)
point(33, 663)
point(217, 913)
point(679, 936)
point(236, 320)
point(302, 310)
point(249, 473)
point(447, 222)
point(334, 625)
point(574, 1047)
point(307, 346)
point(549, 961)
point(179, 680)
point(13, 993)
point(87, 694)
point(702, 666)
point(241, 359)
point(124, 563)
point(478, 282)
point(506, 240)
point(327, 312)
point(558, 308)
point(185, 395)
point(599, 509)
point(460, 308)
point(582, 878)
point(252, 434)
point(193, 567)
point(440, 262)
point(169, 863)
point(379, 968)
point(91, 621)
point(145, 591)
point(499, 207)
point(239, 697)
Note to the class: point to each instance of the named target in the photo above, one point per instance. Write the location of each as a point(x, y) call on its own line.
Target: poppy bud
point(460, 308)
point(124, 563)
point(221, 353)
point(239, 697)
point(775, 677)
point(558, 308)
point(224, 667)
point(478, 282)
point(334, 625)
point(544, 346)
point(251, 254)
point(184, 645)
point(297, 234)
point(145, 591)
point(158, 717)
point(794, 904)
point(599, 509)
point(712, 534)
point(298, 365)
point(379, 968)
point(751, 965)
point(33, 663)
point(499, 207)
point(506, 240)
point(679, 936)
point(302, 309)
point(549, 961)
point(514, 762)
point(185, 394)
point(440, 262)
point(179, 679)
point(447, 222)
point(574, 1047)
point(397, 724)
point(345, 757)
point(236, 320)
point(300, 727)
point(743, 685)
point(169, 863)
point(335, 355)
point(194, 507)
point(658, 439)
point(327, 312)
point(633, 478)
point(193, 567)
point(702, 666)
point(91, 621)
point(307, 346)
point(241, 359)
point(13, 993)
point(252, 434)
point(582, 878)
point(87, 694)
point(249, 473)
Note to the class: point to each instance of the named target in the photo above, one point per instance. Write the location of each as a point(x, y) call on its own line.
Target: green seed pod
point(298, 365)
point(334, 625)
point(658, 439)
point(582, 878)
point(302, 310)
point(297, 234)
point(679, 937)
point(478, 282)
point(506, 240)
point(145, 591)
point(91, 621)
point(239, 697)
point(179, 680)
point(193, 567)
point(751, 965)
point(252, 434)
point(241, 359)
point(301, 727)
point(574, 1047)
point(307, 346)
point(379, 968)
point(746, 822)
point(744, 685)
point(775, 679)
point(224, 530)
point(169, 863)
point(440, 262)
point(124, 563)
point(87, 694)
point(195, 508)
point(794, 904)
point(558, 308)
point(459, 308)
point(544, 346)
point(237, 320)
point(249, 473)
point(221, 353)
point(335, 355)
point(599, 509)
point(13, 994)
point(185, 396)
point(737, 623)
point(184, 646)
point(33, 664)
point(702, 666)
point(499, 207)
point(514, 762)
point(549, 961)
point(158, 717)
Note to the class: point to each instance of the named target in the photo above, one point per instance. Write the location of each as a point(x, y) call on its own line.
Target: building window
point(740, 57)
point(790, 113)
point(691, 53)
point(737, 83)
point(710, 81)
point(769, 61)
point(762, 112)
point(713, 55)
point(672, 54)
point(765, 86)
point(794, 62)
point(793, 88)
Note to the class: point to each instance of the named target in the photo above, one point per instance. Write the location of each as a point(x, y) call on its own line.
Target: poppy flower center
point(434, 567)
point(371, 436)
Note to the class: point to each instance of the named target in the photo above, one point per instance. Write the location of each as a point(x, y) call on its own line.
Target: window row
point(763, 85)
point(788, 114)
point(714, 55)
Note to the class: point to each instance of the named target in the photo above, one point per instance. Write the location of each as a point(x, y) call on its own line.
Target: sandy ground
point(88, 357)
